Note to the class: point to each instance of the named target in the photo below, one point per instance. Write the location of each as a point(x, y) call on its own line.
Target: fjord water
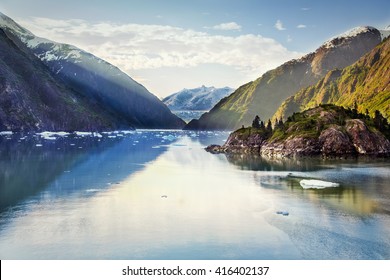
point(159, 195)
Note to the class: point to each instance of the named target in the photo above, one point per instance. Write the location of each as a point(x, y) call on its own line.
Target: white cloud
point(137, 48)
point(301, 26)
point(279, 25)
point(227, 26)
point(289, 39)
point(305, 9)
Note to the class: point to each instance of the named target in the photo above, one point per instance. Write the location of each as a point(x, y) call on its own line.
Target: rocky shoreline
point(330, 138)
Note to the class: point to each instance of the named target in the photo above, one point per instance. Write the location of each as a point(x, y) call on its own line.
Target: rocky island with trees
point(328, 131)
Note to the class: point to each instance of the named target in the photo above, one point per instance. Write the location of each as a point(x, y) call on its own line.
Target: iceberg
point(49, 134)
point(83, 134)
point(170, 137)
point(6, 132)
point(317, 184)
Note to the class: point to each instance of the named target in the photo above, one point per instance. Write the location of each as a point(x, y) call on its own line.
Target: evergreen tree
point(256, 122)
point(269, 126)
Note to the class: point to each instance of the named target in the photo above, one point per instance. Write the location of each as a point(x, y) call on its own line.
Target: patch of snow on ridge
point(385, 32)
point(331, 43)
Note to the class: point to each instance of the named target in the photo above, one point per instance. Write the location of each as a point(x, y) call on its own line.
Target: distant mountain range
point(202, 98)
point(265, 95)
point(89, 92)
point(190, 104)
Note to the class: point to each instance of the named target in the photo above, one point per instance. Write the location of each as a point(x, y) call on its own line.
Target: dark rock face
point(335, 142)
point(294, 147)
point(32, 99)
point(266, 94)
point(365, 141)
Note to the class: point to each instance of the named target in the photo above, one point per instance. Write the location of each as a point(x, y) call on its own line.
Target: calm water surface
point(159, 195)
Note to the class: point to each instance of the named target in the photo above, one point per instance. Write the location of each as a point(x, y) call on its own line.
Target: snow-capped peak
point(6, 22)
point(201, 98)
point(331, 43)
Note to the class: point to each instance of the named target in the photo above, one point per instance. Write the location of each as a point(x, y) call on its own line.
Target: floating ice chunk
point(82, 133)
point(91, 190)
point(49, 138)
point(45, 134)
point(62, 133)
point(111, 136)
point(317, 184)
point(6, 133)
point(156, 147)
point(169, 137)
point(38, 145)
point(127, 131)
point(98, 135)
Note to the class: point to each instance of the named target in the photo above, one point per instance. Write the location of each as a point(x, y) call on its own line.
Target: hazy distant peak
point(200, 98)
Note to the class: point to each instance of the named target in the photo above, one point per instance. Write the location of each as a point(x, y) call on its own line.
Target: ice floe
point(169, 137)
point(83, 133)
point(317, 184)
point(6, 133)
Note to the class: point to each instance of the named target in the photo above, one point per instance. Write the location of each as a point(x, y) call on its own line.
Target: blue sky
point(168, 45)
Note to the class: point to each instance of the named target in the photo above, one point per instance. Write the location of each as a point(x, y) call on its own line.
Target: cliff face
point(365, 83)
point(327, 131)
point(264, 96)
point(32, 99)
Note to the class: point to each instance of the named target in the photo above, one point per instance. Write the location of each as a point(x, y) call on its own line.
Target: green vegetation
point(363, 86)
point(310, 123)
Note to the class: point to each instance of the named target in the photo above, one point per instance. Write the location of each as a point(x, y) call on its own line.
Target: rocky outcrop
point(327, 131)
point(365, 141)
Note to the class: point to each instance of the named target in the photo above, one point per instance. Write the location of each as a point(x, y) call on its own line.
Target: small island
point(328, 131)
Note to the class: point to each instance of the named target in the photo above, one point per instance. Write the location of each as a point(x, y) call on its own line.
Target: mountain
point(326, 131)
point(197, 99)
point(96, 80)
point(32, 99)
point(364, 84)
point(264, 96)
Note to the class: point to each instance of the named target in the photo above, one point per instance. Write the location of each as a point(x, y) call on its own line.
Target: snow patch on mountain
point(385, 32)
point(333, 42)
point(201, 98)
